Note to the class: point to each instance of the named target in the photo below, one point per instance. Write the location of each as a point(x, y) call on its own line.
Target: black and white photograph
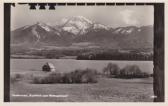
point(83, 53)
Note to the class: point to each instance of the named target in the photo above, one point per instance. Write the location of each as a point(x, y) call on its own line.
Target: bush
point(85, 76)
point(51, 78)
point(132, 71)
point(38, 80)
point(144, 75)
point(77, 76)
point(15, 78)
point(151, 75)
point(111, 69)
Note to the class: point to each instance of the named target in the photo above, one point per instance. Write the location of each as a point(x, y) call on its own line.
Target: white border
point(81, 103)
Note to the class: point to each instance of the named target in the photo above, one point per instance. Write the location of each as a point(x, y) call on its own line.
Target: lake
point(67, 65)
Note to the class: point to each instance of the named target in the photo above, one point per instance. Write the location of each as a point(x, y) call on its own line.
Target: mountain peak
point(76, 24)
point(43, 26)
point(100, 26)
point(76, 19)
point(81, 18)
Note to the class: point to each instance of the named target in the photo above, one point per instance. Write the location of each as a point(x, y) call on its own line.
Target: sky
point(114, 16)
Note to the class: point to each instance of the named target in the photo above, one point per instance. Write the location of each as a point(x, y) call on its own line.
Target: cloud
point(128, 17)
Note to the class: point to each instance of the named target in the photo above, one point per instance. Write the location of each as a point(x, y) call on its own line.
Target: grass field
point(105, 90)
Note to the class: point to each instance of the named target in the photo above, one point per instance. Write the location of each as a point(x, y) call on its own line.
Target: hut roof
point(50, 65)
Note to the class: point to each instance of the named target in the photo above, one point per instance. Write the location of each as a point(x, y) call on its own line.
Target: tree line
point(115, 56)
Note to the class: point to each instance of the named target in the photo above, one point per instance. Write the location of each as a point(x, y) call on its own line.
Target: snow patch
point(118, 30)
point(71, 29)
point(45, 27)
point(57, 33)
point(76, 25)
point(123, 31)
point(64, 20)
point(27, 26)
point(130, 30)
point(83, 19)
point(36, 33)
point(100, 26)
point(139, 30)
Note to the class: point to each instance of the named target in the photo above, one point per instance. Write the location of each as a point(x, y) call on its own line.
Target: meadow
point(105, 90)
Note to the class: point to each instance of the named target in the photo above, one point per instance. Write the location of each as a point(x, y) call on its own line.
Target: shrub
point(89, 76)
point(51, 78)
point(151, 75)
point(132, 71)
point(144, 75)
point(54, 78)
point(77, 76)
point(16, 77)
point(111, 69)
point(38, 80)
point(81, 76)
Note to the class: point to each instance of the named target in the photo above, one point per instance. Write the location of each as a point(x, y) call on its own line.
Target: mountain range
point(80, 30)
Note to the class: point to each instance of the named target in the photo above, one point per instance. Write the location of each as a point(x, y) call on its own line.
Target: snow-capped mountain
point(79, 25)
point(100, 26)
point(127, 30)
point(35, 33)
point(80, 29)
point(44, 26)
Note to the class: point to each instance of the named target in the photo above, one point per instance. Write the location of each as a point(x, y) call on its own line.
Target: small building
point(48, 67)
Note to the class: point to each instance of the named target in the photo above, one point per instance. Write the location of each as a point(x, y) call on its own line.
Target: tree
point(111, 69)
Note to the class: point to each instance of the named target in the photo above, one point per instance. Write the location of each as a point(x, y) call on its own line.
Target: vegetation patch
point(116, 55)
point(15, 78)
point(77, 76)
point(129, 71)
point(132, 71)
